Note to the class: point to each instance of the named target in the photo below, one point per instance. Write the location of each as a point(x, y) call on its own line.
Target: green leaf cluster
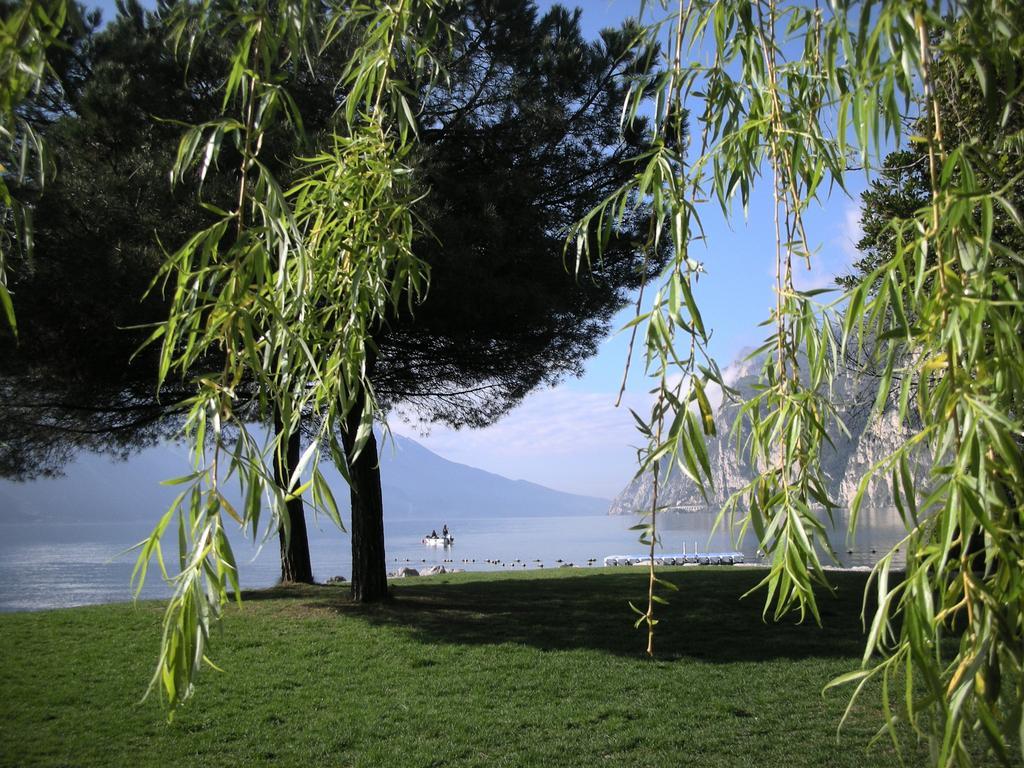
point(27, 30)
point(790, 98)
point(285, 287)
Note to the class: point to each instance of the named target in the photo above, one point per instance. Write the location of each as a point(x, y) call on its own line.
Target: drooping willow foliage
point(283, 289)
point(791, 97)
point(27, 31)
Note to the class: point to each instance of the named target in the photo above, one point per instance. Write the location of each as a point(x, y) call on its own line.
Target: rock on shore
point(434, 570)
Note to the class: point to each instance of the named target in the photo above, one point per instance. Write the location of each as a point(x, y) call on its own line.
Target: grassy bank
point(532, 669)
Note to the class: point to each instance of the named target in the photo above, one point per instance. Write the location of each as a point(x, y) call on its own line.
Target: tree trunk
point(369, 570)
point(296, 566)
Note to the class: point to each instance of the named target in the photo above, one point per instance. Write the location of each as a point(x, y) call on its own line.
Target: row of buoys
point(693, 558)
point(873, 551)
point(515, 563)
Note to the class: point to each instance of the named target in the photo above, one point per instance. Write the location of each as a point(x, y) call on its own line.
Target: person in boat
point(433, 534)
point(444, 532)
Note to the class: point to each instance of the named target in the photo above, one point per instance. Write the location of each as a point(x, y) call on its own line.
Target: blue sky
point(572, 437)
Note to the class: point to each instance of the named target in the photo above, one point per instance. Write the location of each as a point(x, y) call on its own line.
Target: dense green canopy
point(523, 140)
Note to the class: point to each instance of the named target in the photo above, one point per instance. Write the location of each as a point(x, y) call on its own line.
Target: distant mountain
point(416, 483)
point(870, 440)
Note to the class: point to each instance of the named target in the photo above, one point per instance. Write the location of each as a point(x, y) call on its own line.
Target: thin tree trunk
point(296, 566)
point(369, 569)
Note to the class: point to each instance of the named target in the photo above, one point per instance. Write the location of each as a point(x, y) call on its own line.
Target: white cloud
point(712, 390)
point(558, 420)
point(836, 255)
point(568, 440)
point(852, 232)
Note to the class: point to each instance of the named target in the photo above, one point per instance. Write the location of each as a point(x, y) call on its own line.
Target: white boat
point(439, 541)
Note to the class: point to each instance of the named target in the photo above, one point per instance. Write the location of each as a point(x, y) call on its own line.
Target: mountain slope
point(869, 441)
point(416, 483)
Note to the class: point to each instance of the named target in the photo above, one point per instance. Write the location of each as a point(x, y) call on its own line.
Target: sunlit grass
point(535, 669)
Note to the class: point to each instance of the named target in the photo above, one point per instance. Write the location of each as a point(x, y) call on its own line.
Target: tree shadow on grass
point(706, 619)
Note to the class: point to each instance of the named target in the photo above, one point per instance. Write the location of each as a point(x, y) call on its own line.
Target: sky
point(572, 437)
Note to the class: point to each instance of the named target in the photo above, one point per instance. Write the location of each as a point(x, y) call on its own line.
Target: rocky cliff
point(869, 440)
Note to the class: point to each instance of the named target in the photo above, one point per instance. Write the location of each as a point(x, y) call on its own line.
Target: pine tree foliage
point(506, 166)
point(518, 141)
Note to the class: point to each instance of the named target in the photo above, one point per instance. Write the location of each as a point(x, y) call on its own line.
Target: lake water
point(56, 566)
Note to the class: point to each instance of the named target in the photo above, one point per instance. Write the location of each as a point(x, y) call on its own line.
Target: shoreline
point(333, 582)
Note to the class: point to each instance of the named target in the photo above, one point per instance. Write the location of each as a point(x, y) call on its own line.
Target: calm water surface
point(58, 566)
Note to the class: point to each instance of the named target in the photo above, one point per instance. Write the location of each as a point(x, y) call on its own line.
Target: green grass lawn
point(535, 669)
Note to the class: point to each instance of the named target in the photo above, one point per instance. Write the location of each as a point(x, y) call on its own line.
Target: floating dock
point(694, 558)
